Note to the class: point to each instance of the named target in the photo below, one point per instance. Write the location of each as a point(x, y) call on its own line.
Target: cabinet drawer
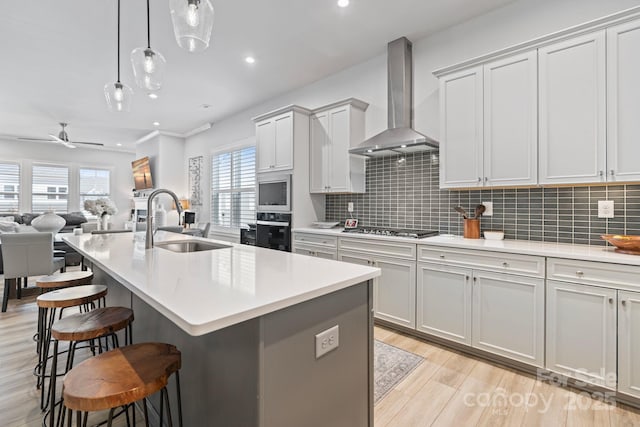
point(494, 261)
point(594, 273)
point(379, 247)
point(315, 239)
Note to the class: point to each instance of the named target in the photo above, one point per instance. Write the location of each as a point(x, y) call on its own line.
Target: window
point(10, 185)
point(233, 188)
point(94, 183)
point(50, 188)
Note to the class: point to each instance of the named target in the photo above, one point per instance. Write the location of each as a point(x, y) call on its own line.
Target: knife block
point(471, 228)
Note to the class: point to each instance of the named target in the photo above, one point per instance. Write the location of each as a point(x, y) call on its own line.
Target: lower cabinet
point(394, 292)
point(496, 312)
point(315, 245)
point(316, 252)
point(629, 343)
point(581, 332)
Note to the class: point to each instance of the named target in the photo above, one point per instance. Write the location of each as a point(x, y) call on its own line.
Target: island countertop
point(202, 292)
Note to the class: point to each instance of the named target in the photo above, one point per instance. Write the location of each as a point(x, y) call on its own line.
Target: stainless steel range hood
point(400, 137)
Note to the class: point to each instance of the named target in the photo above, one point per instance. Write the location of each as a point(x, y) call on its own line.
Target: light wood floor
point(447, 389)
point(452, 389)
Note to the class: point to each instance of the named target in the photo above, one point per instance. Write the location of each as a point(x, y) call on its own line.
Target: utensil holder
point(471, 228)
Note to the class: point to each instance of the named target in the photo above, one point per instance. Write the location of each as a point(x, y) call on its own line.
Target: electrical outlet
point(488, 208)
point(350, 207)
point(327, 341)
point(605, 209)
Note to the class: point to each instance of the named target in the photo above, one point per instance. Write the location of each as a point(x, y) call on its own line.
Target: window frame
point(58, 195)
point(17, 188)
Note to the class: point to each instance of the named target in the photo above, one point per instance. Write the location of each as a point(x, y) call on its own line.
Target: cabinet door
point(581, 331)
point(283, 142)
point(461, 129)
point(265, 145)
point(444, 302)
point(355, 259)
point(394, 292)
point(572, 112)
point(629, 343)
point(318, 148)
point(623, 102)
point(511, 121)
point(338, 150)
point(508, 316)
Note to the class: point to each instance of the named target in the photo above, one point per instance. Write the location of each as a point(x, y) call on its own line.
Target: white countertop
point(524, 247)
point(202, 292)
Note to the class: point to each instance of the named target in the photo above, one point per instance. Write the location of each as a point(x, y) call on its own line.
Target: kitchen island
point(245, 320)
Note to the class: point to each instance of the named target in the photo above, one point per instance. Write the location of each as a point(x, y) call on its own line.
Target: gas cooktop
point(394, 232)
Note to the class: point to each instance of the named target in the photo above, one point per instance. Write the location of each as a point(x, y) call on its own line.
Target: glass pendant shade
point(118, 97)
point(192, 23)
point(148, 68)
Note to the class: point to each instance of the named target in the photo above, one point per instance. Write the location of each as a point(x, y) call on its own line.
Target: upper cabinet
point(572, 108)
point(334, 130)
point(562, 109)
point(489, 124)
point(623, 102)
point(275, 138)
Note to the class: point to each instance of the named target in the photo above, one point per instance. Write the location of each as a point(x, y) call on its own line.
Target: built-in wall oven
point(274, 193)
point(273, 230)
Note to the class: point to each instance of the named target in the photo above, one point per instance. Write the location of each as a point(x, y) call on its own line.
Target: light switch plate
point(605, 209)
point(488, 208)
point(350, 207)
point(327, 341)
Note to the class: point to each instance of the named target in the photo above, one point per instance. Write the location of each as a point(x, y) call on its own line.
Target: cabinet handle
point(466, 277)
point(612, 172)
point(579, 273)
point(479, 179)
point(475, 279)
point(442, 256)
point(624, 302)
point(486, 179)
point(601, 173)
point(505, 264)
point(610, 300)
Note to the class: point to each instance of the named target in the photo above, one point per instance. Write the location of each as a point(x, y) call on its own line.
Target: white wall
point(517, 22)
point(119, 163)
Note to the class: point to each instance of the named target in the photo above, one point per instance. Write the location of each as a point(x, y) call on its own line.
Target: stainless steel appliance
point(274, 193)
point(248, 235)
point(273, 230)
point(394, 232)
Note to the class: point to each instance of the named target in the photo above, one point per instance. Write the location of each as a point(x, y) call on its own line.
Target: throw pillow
point(8, 226)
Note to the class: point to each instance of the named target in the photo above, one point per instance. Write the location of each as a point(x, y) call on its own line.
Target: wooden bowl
point(624, 244)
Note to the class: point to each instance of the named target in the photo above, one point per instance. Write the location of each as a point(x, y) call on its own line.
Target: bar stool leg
point(179, 398)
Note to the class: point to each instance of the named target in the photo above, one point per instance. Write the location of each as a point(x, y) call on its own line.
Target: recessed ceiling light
point(343, 3)
point(205, 106)
point(250, 60)
point(153, 95)
point(119, 145)
point(156, 123)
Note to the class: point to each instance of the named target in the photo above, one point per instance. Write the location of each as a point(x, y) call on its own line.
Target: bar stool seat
point(121, 377)
point(97, 324)
point(48, 304)
point(65, 280)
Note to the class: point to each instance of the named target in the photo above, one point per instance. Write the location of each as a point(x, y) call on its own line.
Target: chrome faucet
point(149, 240)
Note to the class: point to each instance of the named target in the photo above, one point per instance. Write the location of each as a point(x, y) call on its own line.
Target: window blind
point(50, 188)
point(9, 187)
point(94, 183)
point(233, 188)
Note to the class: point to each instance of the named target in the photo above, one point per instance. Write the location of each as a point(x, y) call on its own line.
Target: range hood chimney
point(400, 137)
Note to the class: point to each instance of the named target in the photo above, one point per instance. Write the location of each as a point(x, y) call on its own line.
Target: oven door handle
point(273, 223)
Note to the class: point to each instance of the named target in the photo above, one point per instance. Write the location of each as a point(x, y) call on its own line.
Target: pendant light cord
point(148, 28)
point(118, 41)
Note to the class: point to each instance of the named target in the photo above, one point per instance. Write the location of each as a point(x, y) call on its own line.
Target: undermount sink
point(184, 246)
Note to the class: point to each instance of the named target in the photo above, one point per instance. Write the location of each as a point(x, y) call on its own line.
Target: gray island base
point(264, 371)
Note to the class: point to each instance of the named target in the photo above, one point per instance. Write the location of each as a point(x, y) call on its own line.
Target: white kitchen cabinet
point(581, 332)
point(623, 102)
point(275, 135)
point(334, 130)
point(572, 110)
point(316, 245)
point(510, 144)
point(444, 302)
point(508, 316)
point(629, 343)
point(461, 129)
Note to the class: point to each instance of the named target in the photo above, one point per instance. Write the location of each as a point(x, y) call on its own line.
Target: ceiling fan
point(63, 139)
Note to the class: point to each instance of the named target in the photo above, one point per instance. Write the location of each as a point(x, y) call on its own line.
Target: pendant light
point(192, 23)
point(118, 95)
point(148, 65)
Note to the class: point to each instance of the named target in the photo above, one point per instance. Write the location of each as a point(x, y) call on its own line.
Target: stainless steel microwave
point(274, 193)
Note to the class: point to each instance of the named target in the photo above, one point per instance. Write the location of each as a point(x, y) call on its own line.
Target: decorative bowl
point(624, 244)
point(493, 235)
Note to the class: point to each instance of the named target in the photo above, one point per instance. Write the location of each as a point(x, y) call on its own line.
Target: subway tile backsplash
point(405, 194)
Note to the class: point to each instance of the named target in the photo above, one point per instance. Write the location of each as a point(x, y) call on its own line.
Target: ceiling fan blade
point(33, 139)
point(99, 144)
point(62, 141)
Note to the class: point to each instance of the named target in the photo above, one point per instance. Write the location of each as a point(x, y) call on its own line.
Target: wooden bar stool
point(86, 327)
point(49, 303)
point(121, 377)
